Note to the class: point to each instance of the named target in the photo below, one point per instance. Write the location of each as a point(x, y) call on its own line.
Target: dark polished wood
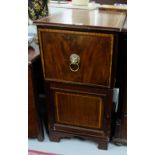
point(80, 103)
point(85, 19)
point(58, 45)
point(86, 109)
point(35, 127)
point(56, 137)
point(79, 111)
point(120, 134)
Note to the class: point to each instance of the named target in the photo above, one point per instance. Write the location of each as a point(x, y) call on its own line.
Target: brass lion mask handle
point(74, 62)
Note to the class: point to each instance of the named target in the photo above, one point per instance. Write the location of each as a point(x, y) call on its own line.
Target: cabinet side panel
point(32, 115)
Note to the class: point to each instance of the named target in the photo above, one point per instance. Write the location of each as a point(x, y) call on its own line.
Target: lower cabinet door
point(81, 109)
point(78, 109)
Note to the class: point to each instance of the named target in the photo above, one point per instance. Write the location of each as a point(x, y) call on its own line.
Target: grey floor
point(74, 146)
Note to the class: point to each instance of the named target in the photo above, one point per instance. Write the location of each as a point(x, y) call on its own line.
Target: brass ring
point(75, 65)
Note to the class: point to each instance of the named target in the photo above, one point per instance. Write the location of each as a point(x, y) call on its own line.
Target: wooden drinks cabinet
point(79, 56)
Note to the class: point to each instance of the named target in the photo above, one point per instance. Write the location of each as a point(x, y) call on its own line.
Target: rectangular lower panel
point(78, 109)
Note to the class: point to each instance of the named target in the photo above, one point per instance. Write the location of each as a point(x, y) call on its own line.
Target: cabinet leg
point(40, 137)
point(103, 145)
point(55, 137)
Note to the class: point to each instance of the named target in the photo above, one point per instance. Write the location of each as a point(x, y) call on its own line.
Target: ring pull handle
point(74, 62)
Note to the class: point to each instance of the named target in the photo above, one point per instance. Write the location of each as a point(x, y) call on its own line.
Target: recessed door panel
point(78, 109)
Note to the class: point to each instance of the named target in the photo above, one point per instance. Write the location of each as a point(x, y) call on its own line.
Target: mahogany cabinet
point(35, 126)
point(79, 57)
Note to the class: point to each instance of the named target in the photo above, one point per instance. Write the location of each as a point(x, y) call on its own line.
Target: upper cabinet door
point(77, 57)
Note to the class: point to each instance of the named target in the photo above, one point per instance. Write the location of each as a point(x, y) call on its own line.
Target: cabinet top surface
point(102, 19)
